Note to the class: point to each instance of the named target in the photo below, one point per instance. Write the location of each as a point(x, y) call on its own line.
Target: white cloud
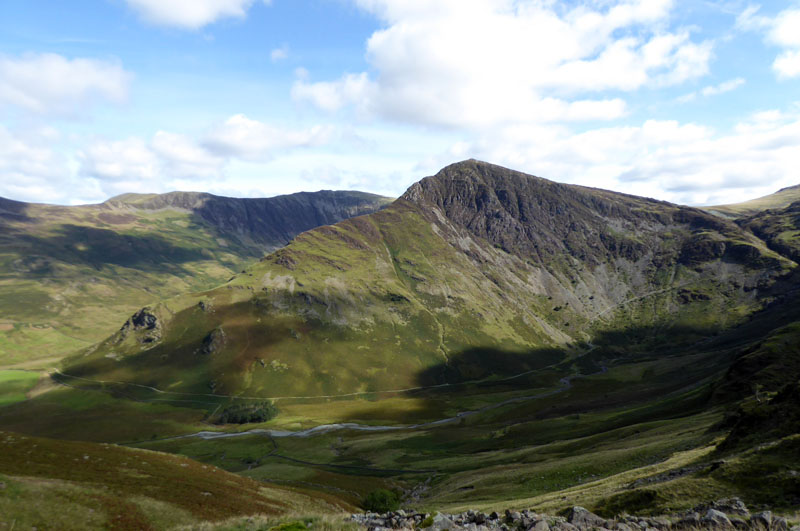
point(714, 90)
point(725, 86)
point(478, 63)
point(182, 157)
point(351, 89)
point(680, 162)
point(787, 64)
point(121, 160)
point(782, 31)
point(247, 139)
point(52, 84)
point(29, 166)
point(168, 161)
point(279, 54)
point(190, 14)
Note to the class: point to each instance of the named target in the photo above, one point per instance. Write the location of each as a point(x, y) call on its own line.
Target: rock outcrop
point(726, 514)
point(145, 325)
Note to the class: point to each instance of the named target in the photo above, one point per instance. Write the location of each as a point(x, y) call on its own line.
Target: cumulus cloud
point(29, 165)
point(190, 14)
point(665, 159)
point(53, 84)
point(165, 156)
point(175, 161)
point(351, 89)
point(780, 30)
point(787, 64)
point(252, 140)
point(473, 63)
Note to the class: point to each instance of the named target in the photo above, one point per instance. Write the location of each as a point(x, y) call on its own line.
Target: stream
point(566, 384)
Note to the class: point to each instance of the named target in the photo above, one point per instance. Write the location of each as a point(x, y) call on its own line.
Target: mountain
point(489, 340)
point(69, 275)
point(779, 200)
point(477, 272)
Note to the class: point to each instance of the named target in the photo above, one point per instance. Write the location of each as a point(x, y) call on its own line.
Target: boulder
point(442, 522)
point(583, 518)
point(731, 506)
point(513, 516)
point(717, 520)
point(779, 523)
point(762, 520)
point(541, 525)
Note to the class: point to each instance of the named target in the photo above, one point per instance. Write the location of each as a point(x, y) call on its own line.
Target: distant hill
point(69, 275)
point(780, 199)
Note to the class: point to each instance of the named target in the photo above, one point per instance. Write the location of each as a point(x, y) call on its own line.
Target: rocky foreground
point(726, 514)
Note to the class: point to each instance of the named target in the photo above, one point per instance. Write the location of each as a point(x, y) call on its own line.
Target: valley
point(490, 340)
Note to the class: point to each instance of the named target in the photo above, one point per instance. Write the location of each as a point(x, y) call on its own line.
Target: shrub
point(381, 501)
point(248, 413)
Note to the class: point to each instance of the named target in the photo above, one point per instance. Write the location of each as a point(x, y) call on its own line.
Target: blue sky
point(689, 101)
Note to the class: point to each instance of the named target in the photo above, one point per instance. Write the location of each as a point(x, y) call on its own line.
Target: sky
point(695, 102)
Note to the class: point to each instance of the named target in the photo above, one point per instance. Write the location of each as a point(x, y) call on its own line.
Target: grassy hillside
point(780, 199)
point(70, 275)
point(51, 484)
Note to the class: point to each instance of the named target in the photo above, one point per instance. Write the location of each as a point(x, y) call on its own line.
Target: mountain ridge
point(455, 265)
point(68, 273)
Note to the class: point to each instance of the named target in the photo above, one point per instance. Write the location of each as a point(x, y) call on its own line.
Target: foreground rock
point(726, 514)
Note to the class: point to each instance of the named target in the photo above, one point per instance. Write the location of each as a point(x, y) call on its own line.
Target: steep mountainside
point(69, 275)
point(478, 272)
point(779, 228)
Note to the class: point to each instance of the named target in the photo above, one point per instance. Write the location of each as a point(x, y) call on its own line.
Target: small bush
point(381, 501)
point(248, 413)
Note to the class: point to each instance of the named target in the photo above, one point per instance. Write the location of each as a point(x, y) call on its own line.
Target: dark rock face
point(269, 222)
point(700, 249)
point(541, 219)
point(144, 324)
point(213, 342)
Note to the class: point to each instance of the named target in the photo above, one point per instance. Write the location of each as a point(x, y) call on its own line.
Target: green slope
point(780, 199)
point(51, 484)
point(70, 275)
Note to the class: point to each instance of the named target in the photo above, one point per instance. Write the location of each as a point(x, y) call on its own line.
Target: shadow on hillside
point(277, 220)
point(74, 244)
point(12, 211)
point(620, 368)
